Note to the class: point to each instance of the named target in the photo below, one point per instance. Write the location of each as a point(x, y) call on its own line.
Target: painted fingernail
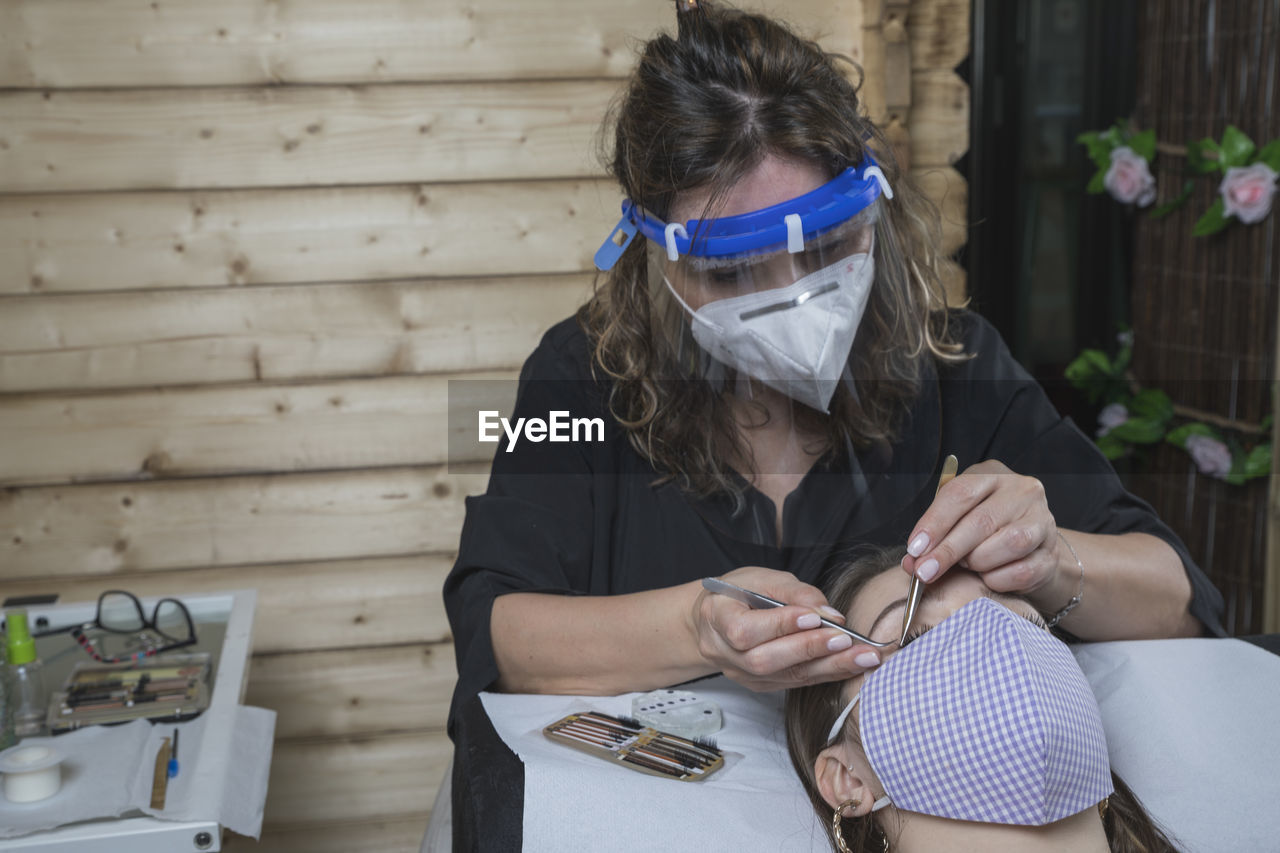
point(808, 620)
point(917, 546)
point(926, 570)
point(831, 612)
point(866, 660)
point(839, 641)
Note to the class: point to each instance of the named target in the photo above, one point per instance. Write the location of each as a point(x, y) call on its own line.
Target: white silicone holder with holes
point(678, 712)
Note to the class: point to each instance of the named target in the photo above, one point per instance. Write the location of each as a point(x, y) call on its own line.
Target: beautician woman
point(779, 375)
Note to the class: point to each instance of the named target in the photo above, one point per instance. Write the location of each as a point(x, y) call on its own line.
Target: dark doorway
point(1047, 263)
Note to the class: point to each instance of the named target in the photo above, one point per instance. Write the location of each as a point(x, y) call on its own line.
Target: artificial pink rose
point(1211, 456)
point(1247, 191)
point(1111, 416)
point(1129, 178)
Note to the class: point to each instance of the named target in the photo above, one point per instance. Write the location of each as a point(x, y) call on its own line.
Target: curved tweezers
point(916, 588)
point(756, 601)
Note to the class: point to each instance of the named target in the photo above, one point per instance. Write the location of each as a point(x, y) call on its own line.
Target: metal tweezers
point(916, 588)
point(756, 601)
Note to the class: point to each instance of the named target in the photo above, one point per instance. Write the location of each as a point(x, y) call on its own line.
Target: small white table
point(142, 833)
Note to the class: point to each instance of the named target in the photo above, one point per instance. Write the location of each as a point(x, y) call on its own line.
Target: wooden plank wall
point(244, 246)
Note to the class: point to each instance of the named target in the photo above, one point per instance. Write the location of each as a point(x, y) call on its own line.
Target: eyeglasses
point(127, 634)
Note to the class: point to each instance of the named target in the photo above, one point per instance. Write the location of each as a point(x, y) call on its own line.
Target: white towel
point(1193, 726)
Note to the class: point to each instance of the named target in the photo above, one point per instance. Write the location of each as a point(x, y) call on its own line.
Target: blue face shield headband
point(788, 224)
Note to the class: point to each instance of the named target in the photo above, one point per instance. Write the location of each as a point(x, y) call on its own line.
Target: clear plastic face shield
point(786, 319)
point(774, 295)
point(772, 300)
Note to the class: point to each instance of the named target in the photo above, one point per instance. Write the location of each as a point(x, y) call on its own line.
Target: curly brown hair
point(700, 111)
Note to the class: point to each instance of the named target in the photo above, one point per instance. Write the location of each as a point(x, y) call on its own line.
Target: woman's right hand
point(780, 647)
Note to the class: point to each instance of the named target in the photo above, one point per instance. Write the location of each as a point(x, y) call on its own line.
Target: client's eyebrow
point(901, 602)
point(1002, 597)
point(893, 605)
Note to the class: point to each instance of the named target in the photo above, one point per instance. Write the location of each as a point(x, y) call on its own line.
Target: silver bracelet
point(1075, 599)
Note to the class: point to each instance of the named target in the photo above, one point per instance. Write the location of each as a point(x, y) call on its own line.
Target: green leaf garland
point(1152, 417)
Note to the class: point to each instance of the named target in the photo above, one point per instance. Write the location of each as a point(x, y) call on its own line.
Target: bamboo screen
point(1204, 308)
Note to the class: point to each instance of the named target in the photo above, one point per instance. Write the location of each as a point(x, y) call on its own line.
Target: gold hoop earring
point(838, 834)
point(835, 824)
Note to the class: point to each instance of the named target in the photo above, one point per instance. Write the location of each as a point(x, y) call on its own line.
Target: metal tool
point(160, 781)
point(756, 601)
point(916, 587)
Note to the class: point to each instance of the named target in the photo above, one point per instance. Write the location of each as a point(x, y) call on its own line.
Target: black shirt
point(587, 517)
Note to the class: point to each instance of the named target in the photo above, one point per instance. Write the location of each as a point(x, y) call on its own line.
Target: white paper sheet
point(229, 783)
point(575, 802)
point(108, 772)
point(95, 761)
point(1192, 726)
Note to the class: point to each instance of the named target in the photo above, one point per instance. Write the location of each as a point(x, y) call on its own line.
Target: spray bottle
point(7, 735)
point(26, 677)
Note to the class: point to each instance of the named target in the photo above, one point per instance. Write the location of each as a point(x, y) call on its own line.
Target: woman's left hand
point(991, 521)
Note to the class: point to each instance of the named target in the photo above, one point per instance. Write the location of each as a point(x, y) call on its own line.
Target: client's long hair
point(810, 710)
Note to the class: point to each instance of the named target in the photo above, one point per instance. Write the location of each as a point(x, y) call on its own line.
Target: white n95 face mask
point(795, 339)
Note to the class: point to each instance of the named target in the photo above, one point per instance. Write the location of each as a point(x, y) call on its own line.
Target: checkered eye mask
point(985, 718)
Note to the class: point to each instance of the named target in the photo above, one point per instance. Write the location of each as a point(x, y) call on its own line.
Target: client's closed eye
point(911, 638)
point(917, 632)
